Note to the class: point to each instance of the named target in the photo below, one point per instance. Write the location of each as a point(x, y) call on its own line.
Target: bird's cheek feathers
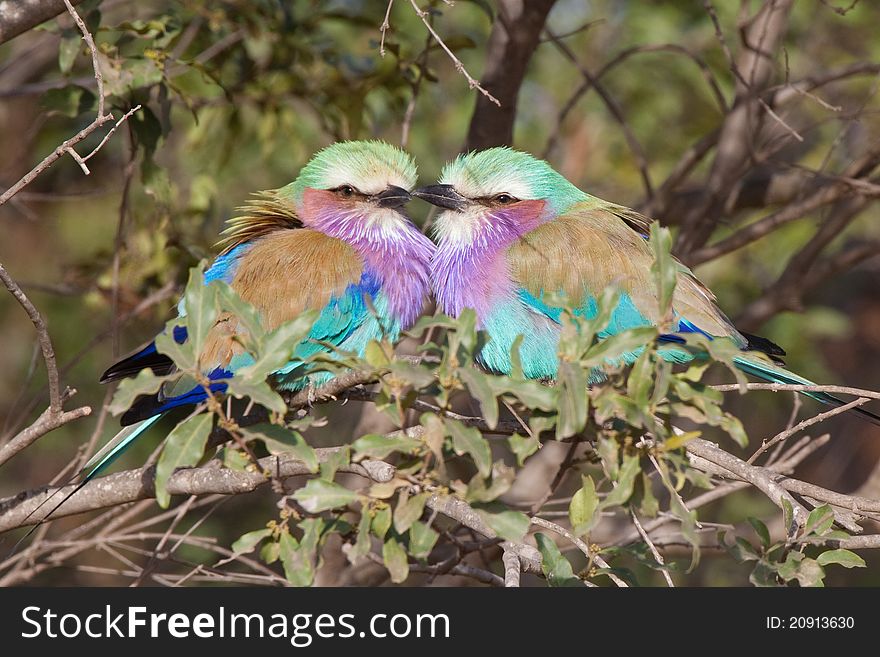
point(320, 206)
point(505, 223)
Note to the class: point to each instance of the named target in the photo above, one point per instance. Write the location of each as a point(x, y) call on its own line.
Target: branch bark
point(19, 16)
point(139, 484)
point(514, 38)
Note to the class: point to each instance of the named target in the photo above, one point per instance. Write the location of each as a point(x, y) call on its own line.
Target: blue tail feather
point(775, 374)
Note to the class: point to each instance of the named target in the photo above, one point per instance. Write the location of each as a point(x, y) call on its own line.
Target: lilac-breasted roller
point(514, 232)
point(335, 240)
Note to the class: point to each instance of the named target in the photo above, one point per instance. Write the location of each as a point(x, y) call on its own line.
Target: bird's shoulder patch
point(265, 213)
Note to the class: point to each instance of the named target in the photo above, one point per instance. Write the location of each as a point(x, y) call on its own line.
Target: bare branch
point(139, 484)
point(68, 145)
point(423, 15)
point(19, 16)
point(759, 477)
point(657, 556)
point(383, 29)
point(800, 426)
point(511, 568)
point(54, 416)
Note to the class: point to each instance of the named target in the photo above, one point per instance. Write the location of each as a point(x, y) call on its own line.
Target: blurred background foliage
point(236, 95)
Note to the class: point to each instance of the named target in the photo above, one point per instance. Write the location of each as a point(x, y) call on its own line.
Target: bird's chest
point(484, 284)
point(538, 336)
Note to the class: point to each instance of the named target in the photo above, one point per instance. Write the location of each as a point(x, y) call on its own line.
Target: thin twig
point(472, 83)
point(68, 145)
point(385, 27)
point(783, 435)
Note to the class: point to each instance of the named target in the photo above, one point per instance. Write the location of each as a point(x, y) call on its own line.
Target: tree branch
point(54, 416)
point(139, 484)
point(759, 477)
point(68, 145)
point(19, 16)
point(514, 37)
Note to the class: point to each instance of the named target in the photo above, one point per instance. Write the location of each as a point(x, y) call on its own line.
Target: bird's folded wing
point(593, 247)
point(284, 274)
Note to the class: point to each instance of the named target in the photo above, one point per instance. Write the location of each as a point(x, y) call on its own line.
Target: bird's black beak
point(443, 196)
point(393, 197)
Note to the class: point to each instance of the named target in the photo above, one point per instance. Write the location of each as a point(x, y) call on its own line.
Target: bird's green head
point(498, 189)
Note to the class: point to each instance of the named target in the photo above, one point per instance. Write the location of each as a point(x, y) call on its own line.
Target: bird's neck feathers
point(469, 268)
point(394, 251)
point(470, 279)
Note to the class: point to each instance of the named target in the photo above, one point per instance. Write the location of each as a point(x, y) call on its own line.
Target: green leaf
point(281, 440)
point(275, 349)
point(421, 540)
point(609, 350)
point(145, 383)
point(200, 302)
point(788, 569)
point(625, 480)
point(259, 391)
point(395, 560)
point(845, 558)
point(333, 462)
point(375, 355)
point(734, 429)
point(664, 268)
point(500, 483)
point(680, 440)
point(408, 511)
point(469, 440)
point(648, 504)
point(298, 568)
point(787, 515)
point(555, 566)
point(761, 530)
point(573, 399)
point(234, 459)
point(183, 355)
point(381, 522)
point(71, 100)
point(810, 573)
point(819, 521)
point(641, 378)
point(68, 49)
point(742, 550)
point(763, 575)
point(522, 447)
point(321, 495)
point(478, 385)
point(248, 542)
point(583, 506)
point(509, 525)
point(378, 447)
point(531, 393)
point(609, 452)
point(184, 446)
point(248, 317)
point(417, 376)
point(270, 552)
point(362, 544)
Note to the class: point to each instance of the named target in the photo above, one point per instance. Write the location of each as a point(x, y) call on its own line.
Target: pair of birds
point(512, 232)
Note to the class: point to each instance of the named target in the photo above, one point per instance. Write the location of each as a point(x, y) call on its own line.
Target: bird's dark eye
point(345, 190)
point(504, 199)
